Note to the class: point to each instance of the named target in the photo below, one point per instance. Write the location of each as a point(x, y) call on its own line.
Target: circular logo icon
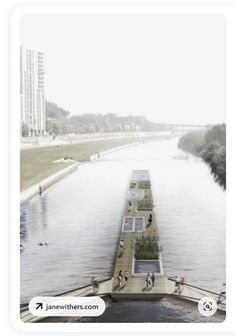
point(207, 306)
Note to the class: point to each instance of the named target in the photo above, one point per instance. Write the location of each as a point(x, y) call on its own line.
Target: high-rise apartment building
point(32, 91)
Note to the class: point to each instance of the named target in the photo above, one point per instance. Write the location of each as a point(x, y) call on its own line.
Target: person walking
point(126, 276)
point(150, 219)
point(122, 245)
point(148, 281)
point(178, 281)
point(120, 279)
point(94, 284)
point(153, 278)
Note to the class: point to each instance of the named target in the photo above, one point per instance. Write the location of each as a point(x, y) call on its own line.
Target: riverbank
point(39, 163)
point(75, 139)
point(44, 184)
point(38, 188)
point(210, 145)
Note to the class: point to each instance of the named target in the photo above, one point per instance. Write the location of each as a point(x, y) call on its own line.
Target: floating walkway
point(136, 225)
point(139, 225)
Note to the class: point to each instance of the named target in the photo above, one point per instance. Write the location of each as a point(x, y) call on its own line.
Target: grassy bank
point(37, 163)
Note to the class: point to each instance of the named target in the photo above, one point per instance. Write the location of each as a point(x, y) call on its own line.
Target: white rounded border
point(229, 13)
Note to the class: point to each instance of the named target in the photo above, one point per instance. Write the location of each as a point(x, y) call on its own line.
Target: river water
point(79, 219)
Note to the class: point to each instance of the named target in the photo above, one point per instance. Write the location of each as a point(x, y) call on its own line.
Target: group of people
point(150, 280)
point(122, 278)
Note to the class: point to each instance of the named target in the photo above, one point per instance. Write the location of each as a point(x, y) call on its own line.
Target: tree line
point(59, 121)
point(210, 145)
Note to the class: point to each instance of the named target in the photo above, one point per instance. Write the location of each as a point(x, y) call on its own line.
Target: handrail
point(206, 290)
point(72, 290)
point(25, 305)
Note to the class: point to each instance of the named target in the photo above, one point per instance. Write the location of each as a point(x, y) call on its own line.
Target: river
point(79, 219)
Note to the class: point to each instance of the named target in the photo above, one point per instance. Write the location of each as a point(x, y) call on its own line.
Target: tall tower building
point(32, 91)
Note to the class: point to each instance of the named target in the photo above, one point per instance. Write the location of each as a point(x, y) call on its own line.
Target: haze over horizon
point(168, 68)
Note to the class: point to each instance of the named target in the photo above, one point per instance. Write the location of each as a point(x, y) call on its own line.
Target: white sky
point(169, 68)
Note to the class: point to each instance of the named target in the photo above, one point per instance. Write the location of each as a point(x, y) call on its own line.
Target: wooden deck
point(135, 286)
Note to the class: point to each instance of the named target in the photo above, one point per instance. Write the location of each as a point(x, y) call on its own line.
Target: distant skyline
point(168, 68)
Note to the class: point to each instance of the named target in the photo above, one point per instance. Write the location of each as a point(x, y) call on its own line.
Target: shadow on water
point(167, 310)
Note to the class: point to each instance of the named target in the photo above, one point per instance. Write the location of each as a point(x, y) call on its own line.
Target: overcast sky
point(169, 68)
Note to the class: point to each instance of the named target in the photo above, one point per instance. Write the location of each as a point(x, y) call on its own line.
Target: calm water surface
point(80, 218)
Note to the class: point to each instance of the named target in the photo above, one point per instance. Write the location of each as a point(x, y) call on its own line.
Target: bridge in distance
point(186, 127)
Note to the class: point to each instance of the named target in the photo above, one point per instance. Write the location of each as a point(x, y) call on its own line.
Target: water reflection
point(23, 223)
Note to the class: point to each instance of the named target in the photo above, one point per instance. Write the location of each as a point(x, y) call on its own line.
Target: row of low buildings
point(32, 91)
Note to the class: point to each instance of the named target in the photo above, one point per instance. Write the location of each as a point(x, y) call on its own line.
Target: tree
point(54, 129)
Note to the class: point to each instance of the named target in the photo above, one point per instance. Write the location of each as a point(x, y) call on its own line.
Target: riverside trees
point(65, 123)
point(211, 146)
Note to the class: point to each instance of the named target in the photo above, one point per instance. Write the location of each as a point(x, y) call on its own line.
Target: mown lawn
point(37, 163)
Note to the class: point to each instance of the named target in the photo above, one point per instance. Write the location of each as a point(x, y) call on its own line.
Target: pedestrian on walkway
point(122, 245)
point(120, 279)
point(148, 281)
point(126, 276)
point(94, 284)
point(153, 278)
point(178, 282)
point(150, 219)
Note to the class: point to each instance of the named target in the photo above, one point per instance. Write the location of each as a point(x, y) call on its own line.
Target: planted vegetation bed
point(146, 248)
point(145, 205)
point(146, 255)
point(144, 185)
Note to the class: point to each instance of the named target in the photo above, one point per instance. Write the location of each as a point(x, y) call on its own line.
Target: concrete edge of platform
point(138, 296)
